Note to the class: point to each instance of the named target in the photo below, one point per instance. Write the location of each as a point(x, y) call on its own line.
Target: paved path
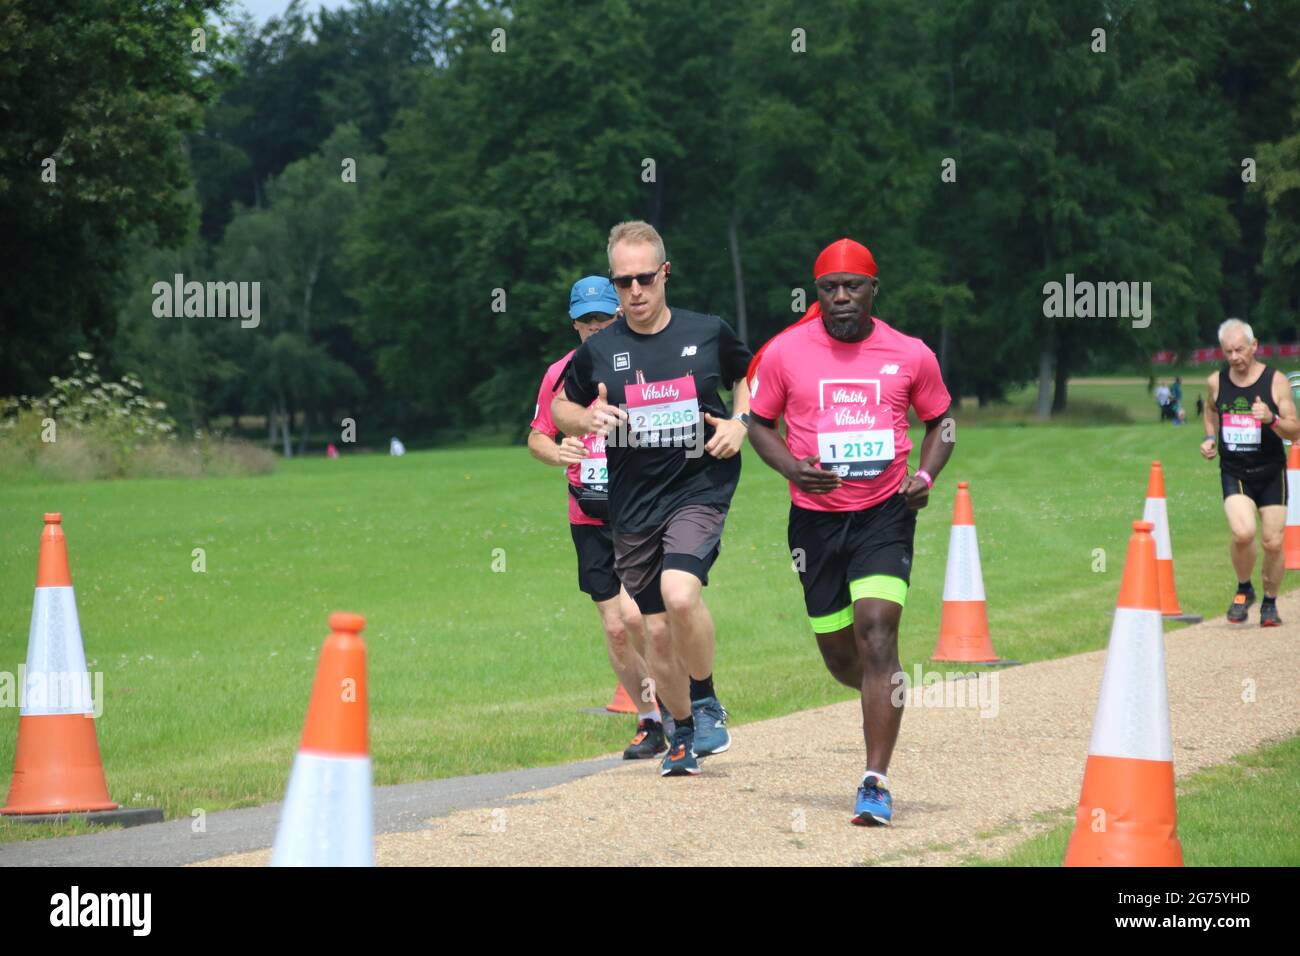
point(963, 782)
point(398, 809)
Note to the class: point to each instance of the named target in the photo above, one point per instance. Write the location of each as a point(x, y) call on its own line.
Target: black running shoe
point(1239, 610)
point(1268, 615)
point(648, 743)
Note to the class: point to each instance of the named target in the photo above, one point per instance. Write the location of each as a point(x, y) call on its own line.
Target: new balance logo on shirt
point(688, 350)
point(889, 370)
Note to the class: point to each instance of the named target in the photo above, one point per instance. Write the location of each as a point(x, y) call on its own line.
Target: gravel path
point(963, 782)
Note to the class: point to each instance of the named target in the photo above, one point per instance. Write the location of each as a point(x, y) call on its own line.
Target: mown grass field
point(207, 674)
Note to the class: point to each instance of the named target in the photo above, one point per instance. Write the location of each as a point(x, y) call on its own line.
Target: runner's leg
point(840, 654)
point(690, 622)
point(633, 622)
point(667, 667)
point(1272, 521)
point(628, 665)
point(875, 628)
point(1240, 510)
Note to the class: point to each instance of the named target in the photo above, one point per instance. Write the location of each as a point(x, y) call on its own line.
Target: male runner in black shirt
point(652, 380)
point(1249, 412)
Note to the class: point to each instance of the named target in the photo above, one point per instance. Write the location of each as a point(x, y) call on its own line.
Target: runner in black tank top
point(1248, 449)
point(1244, 425)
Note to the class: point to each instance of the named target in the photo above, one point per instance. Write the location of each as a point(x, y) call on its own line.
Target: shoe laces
point(713, 708)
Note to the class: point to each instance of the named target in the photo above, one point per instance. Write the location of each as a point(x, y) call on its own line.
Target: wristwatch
point(743, 418)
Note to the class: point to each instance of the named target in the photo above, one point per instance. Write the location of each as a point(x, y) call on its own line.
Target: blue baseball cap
point(592, 294)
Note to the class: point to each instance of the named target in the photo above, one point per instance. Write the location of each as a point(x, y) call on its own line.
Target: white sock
point(651, 715)
point(881, 780)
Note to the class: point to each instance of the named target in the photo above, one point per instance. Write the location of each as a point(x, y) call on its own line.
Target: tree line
point(415, 184)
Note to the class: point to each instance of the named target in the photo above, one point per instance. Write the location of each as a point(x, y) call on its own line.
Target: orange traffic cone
point(57, 768)
point(621, 702)
point(1156, 512)
point(964, 626)
point(1291, 537)
point(1127, 815)
point(326, 819)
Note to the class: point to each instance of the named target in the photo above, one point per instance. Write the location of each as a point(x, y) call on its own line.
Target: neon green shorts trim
point(884, 587)
point(830, 623)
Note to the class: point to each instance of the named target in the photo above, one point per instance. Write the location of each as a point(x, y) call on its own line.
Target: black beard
point(846, 330)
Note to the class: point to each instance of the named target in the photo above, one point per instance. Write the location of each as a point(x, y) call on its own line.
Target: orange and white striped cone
point(621, 702)
point(1291, 537)
point(57, 767)
point(327, 819)
point(1156, 511)
point(964, 625)
point(1127, 815)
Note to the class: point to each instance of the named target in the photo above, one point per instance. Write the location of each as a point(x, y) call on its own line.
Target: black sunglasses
point(642, 278)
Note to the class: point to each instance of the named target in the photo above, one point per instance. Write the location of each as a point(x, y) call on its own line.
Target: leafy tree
point(94, 98)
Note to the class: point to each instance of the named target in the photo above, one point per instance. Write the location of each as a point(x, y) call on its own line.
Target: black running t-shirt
point(666, 382)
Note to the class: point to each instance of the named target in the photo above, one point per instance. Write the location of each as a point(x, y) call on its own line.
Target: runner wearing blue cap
point(593, 304)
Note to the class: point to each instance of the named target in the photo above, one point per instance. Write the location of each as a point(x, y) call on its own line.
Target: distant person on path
point(1249, 412)
point(1162, 400)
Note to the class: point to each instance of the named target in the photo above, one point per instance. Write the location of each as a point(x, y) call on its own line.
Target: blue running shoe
point(711, 735)
point(680, 760)
point(874, 806)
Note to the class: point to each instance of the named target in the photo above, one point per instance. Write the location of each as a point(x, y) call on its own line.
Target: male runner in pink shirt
point(592, 306)
point(843, 380)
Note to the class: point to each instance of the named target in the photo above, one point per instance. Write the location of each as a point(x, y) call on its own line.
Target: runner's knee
point(616, 635)
point(841, 660)
point(877, 642)
point(657, 634)
point(633, 622)
point(680, 597)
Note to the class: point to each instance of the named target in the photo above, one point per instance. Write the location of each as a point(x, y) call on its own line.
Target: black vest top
point(1247, 448)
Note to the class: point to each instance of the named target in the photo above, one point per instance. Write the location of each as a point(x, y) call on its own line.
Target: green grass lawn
point(1238, 814)
point(207, 675)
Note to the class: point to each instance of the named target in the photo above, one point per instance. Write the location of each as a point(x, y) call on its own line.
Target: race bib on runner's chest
point(1241, 432)
point(659, 413)
point(593, 471)
point(856, 441)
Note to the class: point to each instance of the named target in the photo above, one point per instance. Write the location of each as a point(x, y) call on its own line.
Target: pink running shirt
point(592, 468)
point(847, 402)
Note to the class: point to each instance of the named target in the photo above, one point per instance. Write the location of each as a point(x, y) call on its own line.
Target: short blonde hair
point(636, 230)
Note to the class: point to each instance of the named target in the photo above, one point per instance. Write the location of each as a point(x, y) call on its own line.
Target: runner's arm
point(546, 450)
point(771, 447)
point(936, 449)
point(1287, 423)
point(729, 434)
point(580, 406)
point(570, 417)
point(1211, 417)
